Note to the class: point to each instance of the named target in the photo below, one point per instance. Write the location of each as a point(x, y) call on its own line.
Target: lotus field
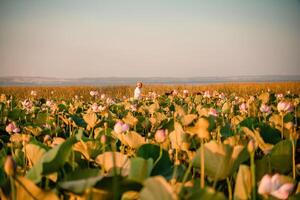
point(181, 145)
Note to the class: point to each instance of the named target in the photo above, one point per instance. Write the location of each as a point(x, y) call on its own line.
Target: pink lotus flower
point(160, 136)
point(27, 104)
point(12, 128)
point(243, 107)
point(103, 139)
point(275, 186)
point(133, 108)
point(213, 112)
point(185, 92)
point(174, 92)
point(207, 94)
point(94, 93)
point(279, 96)
point(102, 96)
point(222, 96)
point(265, 109)
point(285, 106)
point(121, 127)
point(33, 93)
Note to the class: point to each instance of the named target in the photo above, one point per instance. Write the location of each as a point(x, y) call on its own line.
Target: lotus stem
point(175, 165)
point(294, 161)
point(202, 163)
point(160, 155)
point(12, 187)
point(229, 188)
point(186, 175)
point(115, 178)
point(282, 128)
point(253, 179)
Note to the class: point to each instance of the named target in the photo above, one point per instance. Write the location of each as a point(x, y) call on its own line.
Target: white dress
point(137, 93)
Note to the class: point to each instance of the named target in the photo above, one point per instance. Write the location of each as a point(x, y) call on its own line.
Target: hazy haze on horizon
point(136, 38)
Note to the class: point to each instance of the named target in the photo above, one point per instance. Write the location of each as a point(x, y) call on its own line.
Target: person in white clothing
point(138, 91)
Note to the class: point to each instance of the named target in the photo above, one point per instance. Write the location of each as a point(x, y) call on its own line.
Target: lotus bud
point(12, 128)
point(243, 107)
point(160, 136)
point(103, 139)
point(251, 146)
point(33, 93)
point(174, 92)
point(10, 166)
point(265, 109)
point(207, 94)
point(285, 106)
point(213, 112)
point(125, 128)
point(279, 96)
point(118, 127)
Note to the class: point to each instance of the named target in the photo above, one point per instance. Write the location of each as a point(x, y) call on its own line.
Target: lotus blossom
point(279, 96)
point(222, 96)
point(243, 107)
point(103, 139)
point(12, 128)
point(265, 109)
point(275, 186)
point(207, 94)
point(160, 136)
point(174, 92)
point(27, 104)
point(121, 127)
point(285, 106)
point(94, 93)
point(102, 96)
point(109, 101)
point(95, 107)
point(133, 108)
point(213, 112)
point(49, 103)
point(33, 93)
point(185, 92)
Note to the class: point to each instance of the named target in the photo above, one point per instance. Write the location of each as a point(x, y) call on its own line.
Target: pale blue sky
point(75, 38)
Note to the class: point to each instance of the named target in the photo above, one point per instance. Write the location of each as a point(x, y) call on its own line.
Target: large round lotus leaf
point(140, 169)
point(89, 149)
point(187, 119)
point(220, 160)
point(269, 134)
point(32, 190)
point(164, 165)
point(109, 160)
point(130, 119)
point(176, 136)
point(281, 157)
point(91, 119)
point(131, 139)
point(34, 152)
point(157, 188)
point(79, 186)
point(51, 161)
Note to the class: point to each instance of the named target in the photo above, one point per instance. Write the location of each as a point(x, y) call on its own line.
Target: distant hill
point(48, 81)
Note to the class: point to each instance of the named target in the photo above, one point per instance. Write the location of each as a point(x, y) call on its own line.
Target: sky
point(153, 38)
